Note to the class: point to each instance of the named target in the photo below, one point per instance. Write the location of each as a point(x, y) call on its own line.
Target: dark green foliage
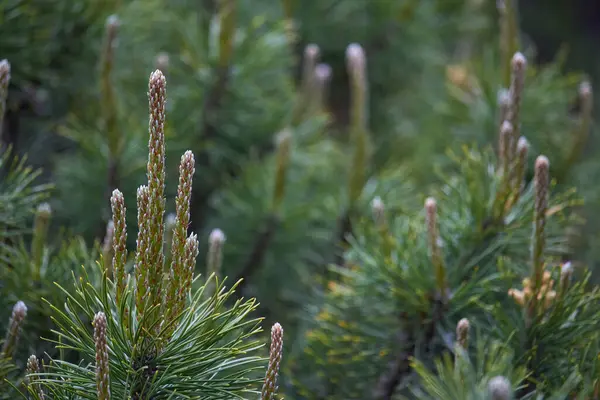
point(20, 193)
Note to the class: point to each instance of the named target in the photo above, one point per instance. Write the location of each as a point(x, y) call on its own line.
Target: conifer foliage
point(152, 337)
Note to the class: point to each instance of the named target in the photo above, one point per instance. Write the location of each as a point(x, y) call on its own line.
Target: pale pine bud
point(190, 256)
point(269, 389)
point(323, 73)
point(586, 95)
point(504, 146)
point(566, 272)
point(356, 63)
point(504, 104)
point(311, 57)
point(102, 364)
point(178, 273)
point(462, 333)
point(170, 221)
point(161, 62)
point(434, 244)
point(107, 247)
point(521, 164)
point(216, 240)
point(322, 79)
point(119, 242)
point(141, 256)
point(112, 24)
point(187, 168)
point(4, 81)
point(587, 107)
point(40, 233)
point(519, 64)
point(541, 182)
point(284, 145)
point(19, 312)
point(378, 210)
point(33, 368)
point(499, 388)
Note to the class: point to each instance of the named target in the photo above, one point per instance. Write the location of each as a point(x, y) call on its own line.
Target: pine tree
point(153, 337)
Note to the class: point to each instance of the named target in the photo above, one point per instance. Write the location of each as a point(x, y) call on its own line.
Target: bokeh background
point(77, 109)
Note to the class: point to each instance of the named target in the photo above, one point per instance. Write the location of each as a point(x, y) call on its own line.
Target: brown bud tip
point(157, 79)
point(499, 388)
point(430, 205)
point(542, 164)
point(519, 62)
point(585, 89)
point(311, 51)
point(117, 196)
point(355, 57)
point(217, 237)
point(323, 72)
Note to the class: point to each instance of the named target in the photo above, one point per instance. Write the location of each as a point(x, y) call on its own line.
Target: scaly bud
point(170, 221)
point(40, 233)
point(462, 333)
point(156, 186)
point(434, 245)
point(216, 240)
point(504, 145)
point(284, 144)
point(119, 242)
point(4, 81)
point(31, 370)
point(269, 389)
point(566, 272)
point(520, 166)
point(190, 256)
point(19, 313)
point(356, 63)
point(499, 388)
point(102, 364)
point(504, 104)
point(322, 79)
point(177, 272)
point(518, 64)
point(582, 131)
point(378, 210)
point(141, 257)
point(541, 182)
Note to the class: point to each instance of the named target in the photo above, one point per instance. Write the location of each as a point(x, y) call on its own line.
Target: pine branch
point(398, 368)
